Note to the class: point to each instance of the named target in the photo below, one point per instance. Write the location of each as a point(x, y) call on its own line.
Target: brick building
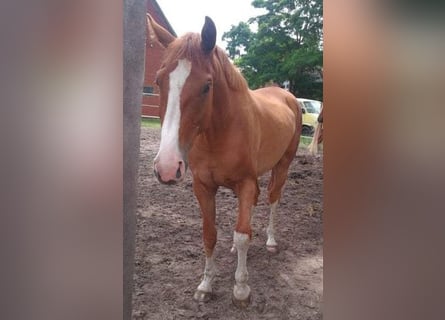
point(154, 52)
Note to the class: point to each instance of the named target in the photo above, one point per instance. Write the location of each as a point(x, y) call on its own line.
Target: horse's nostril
point(178, 173)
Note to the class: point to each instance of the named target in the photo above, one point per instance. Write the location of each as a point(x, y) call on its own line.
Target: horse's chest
point(222, 168)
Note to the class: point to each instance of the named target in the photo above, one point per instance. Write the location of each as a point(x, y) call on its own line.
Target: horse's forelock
point(186, 47)
point(189, 47)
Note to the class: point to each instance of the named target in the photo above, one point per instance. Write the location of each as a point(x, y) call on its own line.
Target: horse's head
point(186, 93)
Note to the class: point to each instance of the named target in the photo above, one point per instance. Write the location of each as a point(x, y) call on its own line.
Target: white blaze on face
point(169, 148)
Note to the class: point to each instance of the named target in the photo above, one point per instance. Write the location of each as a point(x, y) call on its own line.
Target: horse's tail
point(313, 146)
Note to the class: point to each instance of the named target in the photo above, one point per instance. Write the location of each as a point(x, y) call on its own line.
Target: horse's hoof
point(272, 249)
point(242, 304)
point(202, 296)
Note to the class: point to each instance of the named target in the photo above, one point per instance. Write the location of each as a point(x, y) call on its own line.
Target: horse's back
point(276, 102)
point(279, 117)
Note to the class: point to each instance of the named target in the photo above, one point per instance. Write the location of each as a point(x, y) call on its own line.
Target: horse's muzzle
point(170, 173)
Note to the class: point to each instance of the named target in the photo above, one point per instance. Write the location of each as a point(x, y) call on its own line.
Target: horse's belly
point(276, 140)
point(267, 161)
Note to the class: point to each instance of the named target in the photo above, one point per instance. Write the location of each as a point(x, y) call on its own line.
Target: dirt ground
point(170, 259)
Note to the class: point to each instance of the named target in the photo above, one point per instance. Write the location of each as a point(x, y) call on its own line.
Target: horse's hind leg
point(275, 187)
point(271, 243)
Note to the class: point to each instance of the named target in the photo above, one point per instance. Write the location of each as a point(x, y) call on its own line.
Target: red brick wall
point(154, 52)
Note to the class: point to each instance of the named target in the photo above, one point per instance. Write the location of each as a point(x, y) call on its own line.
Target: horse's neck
point(230, 108)
point(231, 96)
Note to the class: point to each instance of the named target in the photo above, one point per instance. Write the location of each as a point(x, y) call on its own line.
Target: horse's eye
point(206, 88)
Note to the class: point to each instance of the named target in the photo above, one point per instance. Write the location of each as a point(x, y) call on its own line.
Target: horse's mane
point(189, 47)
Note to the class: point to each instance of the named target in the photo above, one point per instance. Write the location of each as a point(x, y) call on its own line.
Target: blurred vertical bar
point(62, 164)
point(134, 55)
point(384, 159)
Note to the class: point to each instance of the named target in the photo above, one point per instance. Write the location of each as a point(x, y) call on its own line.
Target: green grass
point(150, 122)
point(304, 141)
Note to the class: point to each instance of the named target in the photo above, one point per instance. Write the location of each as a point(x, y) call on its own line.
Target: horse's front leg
point(206, 199)
point(247, 194)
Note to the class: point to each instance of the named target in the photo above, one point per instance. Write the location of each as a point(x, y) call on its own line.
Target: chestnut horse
point(227, 134)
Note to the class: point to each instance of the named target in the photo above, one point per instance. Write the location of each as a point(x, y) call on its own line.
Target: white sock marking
point(271, 228)
point(241, 290)
point(209, 275)
point(233, 249)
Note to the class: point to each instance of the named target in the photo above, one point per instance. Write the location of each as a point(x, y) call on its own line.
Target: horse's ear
point(208, 35)
point(157, 31)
